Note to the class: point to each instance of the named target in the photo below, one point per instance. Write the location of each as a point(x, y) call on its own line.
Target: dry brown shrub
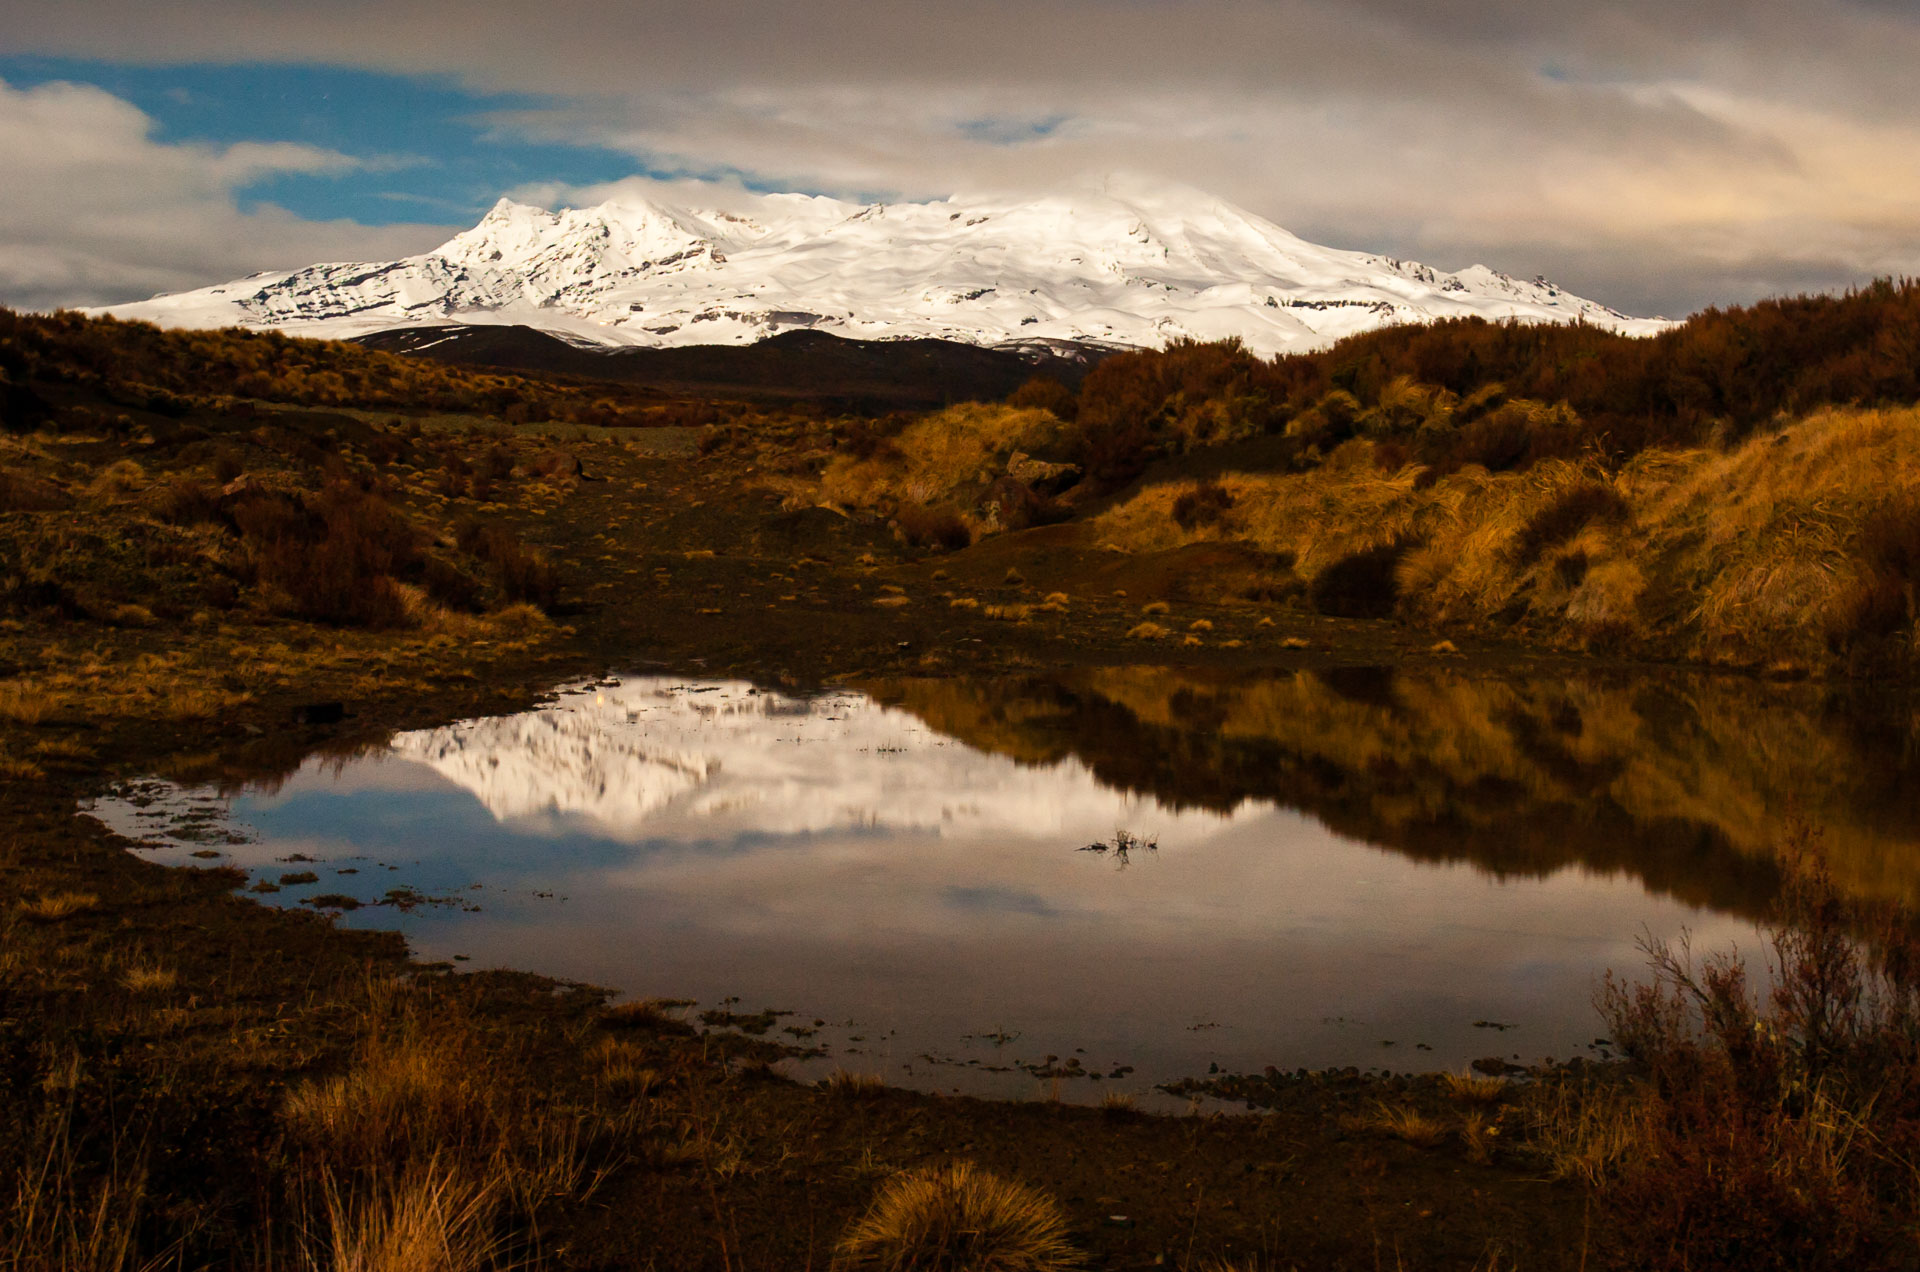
point(1775, 1127)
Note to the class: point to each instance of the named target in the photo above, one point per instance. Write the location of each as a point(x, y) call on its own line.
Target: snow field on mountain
point(1127, 265)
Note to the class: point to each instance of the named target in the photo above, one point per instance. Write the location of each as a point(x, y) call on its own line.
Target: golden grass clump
point(410, 1095)
point(962, 448)
point(624, 1067)
point(963, 603)
point(1409, 1125)
point(19, 769)
point(119, 479)
point(645, 1013)
point(1590, 1133)
point(1147, 631)
point(149, 978)
point(1474, 1088)
point(51, 907)
point(26, 701)
point(853, 1086)
point(1019, 613)
point(956, 1217)
point(432, 1219)
point(1479, 1135)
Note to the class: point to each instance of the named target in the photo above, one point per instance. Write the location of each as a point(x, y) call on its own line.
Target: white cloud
point(94, 210)
point(1653, 155)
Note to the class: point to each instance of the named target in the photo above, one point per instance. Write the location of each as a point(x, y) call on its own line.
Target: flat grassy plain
point(212, 588)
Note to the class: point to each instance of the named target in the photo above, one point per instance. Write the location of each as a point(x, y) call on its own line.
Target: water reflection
point(1348, 869)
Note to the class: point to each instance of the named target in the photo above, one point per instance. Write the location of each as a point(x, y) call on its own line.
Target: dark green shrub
point(521, 572)
point(1571, 511)
point(1045, 393)
point(1884, 600)
point(185, 501)
point(334, 555)
point(1361, 584)
point(938, 529)
point(1207, 504)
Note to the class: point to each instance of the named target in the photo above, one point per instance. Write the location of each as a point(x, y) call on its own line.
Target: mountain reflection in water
point(1352, 867)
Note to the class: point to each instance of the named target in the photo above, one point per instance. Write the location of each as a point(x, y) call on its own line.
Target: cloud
point(1655, 156)
point(94, 210)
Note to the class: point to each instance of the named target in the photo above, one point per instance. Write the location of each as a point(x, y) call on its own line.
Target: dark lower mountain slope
point(798, 366)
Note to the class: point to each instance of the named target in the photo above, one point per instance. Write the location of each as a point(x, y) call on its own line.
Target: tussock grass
point(410, 1094)
point(624, 1067)
point(849, 1085)
point(1591, 1133)
point(646, 1013)
point(1147, 631)
point(1474, 1088)
point(65, 1215)
point(433, 1218)
point(149, 978)
point(958, 1216)
point(942, 457)
point(1479, 1135)
point(51, 907)
point(1785, 547)
point(26, 701)
point(20, 769)
point(1409, 1125)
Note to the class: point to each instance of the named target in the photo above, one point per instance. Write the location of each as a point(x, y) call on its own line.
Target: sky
point(1659, 157)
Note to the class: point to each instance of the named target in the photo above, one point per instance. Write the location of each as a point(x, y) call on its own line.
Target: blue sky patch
point(429, 151)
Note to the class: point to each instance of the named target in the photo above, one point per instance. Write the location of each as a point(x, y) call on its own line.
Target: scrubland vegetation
point(1739, 490)
point(1771, 1125)
point(1792, 551)
point(201, 530)
point(137, 367)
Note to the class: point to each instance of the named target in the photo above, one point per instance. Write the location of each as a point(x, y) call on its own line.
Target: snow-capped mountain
point(1127, 264)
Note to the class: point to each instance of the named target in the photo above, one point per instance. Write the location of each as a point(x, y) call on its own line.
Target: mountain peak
point(1122, 260)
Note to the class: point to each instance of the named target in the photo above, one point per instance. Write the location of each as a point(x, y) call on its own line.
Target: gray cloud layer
point(1656, 156)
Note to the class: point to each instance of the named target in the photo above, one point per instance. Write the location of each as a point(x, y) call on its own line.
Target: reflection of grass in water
point(1684, 780)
